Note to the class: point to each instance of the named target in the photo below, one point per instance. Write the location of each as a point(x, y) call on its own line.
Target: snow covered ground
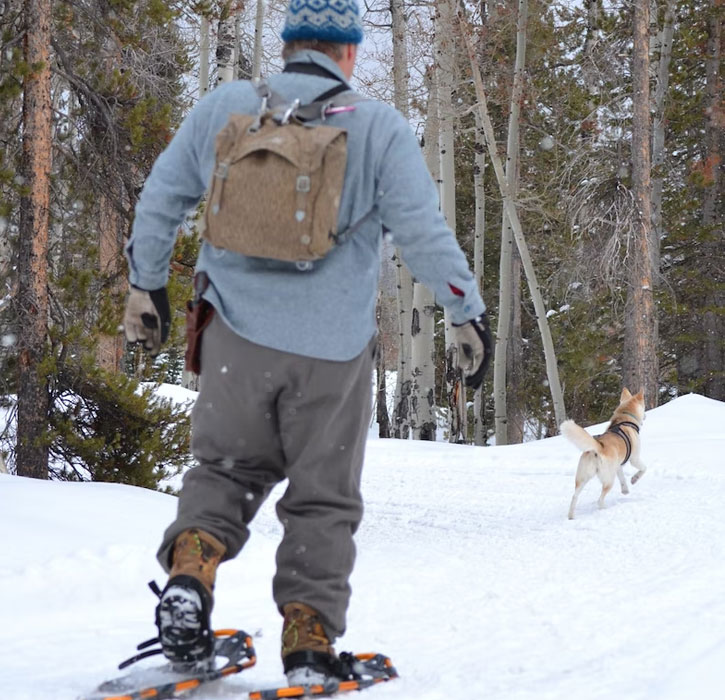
point(469, 575)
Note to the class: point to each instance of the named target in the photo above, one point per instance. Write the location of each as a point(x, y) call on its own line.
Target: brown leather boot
point(197, 554)
point(307, 654)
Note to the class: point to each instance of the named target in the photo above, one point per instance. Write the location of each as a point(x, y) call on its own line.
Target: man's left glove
point(473, 340)
point(148, 318)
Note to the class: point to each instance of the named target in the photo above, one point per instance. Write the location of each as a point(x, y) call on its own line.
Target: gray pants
point(262, 416)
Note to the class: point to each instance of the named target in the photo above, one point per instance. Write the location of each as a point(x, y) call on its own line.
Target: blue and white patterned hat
point(337, 21)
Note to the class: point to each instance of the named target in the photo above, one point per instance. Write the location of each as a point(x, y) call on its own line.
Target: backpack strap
point(272, 101)
point(314, 69)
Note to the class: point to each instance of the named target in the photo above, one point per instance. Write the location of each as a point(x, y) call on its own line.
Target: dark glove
point(473, 340)
point(148, 318)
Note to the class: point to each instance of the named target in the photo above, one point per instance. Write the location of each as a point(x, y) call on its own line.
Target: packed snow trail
point(469, 575)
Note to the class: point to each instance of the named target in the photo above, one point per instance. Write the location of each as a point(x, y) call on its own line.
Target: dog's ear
point(640, 395)
point(625, 395)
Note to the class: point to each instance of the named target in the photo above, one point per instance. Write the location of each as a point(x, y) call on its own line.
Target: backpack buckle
point(222, 170)
point(287, 114)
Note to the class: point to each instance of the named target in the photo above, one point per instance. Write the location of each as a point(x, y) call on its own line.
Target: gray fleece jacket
point(327, 311)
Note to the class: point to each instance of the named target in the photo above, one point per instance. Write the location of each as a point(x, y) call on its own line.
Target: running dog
point(606, 454)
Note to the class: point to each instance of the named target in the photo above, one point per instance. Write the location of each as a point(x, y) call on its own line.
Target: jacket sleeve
point(408, 202)
point(174, 186)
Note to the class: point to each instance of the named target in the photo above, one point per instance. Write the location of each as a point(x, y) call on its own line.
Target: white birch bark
point(422, 395)
point(237, 56)
point(506, 285)
point(258, 32)
point(226, 40)
point(404, 281)
point(445, 65)
point(552, 370)
point(479, 169)
point(204, 56)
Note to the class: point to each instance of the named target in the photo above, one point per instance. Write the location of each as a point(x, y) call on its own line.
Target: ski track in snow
point(469, 574)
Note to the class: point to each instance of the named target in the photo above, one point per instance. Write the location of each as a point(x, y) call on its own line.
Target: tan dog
point(606, 454)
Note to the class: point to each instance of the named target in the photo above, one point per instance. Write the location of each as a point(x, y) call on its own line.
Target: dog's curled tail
point(580, 437)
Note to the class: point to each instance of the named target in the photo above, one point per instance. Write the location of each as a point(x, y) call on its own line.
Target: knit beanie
point(337, 21)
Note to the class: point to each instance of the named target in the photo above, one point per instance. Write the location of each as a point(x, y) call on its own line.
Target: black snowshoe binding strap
point(316, 660)
point(345, 667)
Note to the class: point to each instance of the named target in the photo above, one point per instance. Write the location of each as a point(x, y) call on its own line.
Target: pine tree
point(117, 95)
point(32, 298)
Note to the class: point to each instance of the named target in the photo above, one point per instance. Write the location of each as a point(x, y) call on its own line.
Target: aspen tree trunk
point(445, 66)
point(32, 301)
point(204, 57)
point(515, 361)
point(552, 370)
point(712, 207)
point(403, 380)
point(506, 266)
point(422, 400)
point(640, 363)
point(516, 412)
point(243, 65)
point(226, 41)
point(658, 129)
point(479, 169)
point(403, 279)
point(258, 31)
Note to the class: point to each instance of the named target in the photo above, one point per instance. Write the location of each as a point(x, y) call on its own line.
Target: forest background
point(578, 149)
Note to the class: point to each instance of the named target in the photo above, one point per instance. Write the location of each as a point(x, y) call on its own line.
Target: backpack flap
point(276, 189)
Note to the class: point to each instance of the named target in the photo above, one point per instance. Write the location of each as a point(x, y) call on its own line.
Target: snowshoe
point(173, 680)
point(350, 672)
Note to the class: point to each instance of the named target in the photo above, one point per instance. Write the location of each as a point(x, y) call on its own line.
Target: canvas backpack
point(277, 182)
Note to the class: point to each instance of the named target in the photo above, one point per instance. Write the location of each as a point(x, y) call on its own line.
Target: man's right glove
point(148, 318)
point(473, 340)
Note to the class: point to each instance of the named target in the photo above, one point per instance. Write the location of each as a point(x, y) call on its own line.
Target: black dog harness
point(617, 430)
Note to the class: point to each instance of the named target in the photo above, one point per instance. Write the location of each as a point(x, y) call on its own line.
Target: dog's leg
point(637, 462)
point(572, 505)
point(607, 484)
point(622, 480)
point(584, 472)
